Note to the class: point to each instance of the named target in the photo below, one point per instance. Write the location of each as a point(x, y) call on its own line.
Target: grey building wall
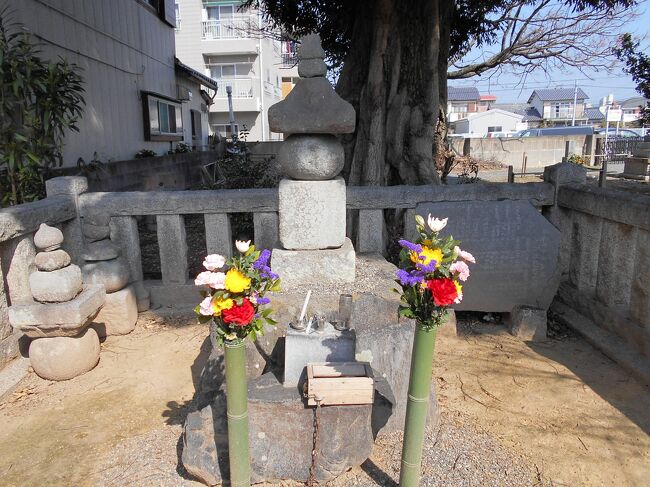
point(122, 47)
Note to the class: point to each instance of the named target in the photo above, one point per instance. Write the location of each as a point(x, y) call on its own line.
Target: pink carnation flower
point(205, 308)
point(466, 256)
point(213, 262)
point(459, 267)
point(216, 280)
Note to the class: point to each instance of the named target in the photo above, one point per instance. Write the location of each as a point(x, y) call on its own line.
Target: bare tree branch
point(545, 36)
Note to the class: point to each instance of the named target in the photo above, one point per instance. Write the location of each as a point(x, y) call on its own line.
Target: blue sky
point(507, 90)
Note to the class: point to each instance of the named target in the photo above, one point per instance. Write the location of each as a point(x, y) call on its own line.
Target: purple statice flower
point(430, 267)
point(410, 278)
point(263, 259)
point(263, 300)
point(413, 247)
point(261, 264)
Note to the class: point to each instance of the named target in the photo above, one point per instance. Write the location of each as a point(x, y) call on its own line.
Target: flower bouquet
point(430, 272)
point(233, 292)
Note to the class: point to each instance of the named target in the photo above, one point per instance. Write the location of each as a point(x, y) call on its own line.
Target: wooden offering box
point(340, 383)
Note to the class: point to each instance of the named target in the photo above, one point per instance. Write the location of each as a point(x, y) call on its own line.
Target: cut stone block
point(62, 358)
point(312, 107)
point(56, 286)
point(515, 247)
point(637, 168)
point(346, 435)
point(312, 214)
point(310, 157)
point(298, 267)
point(52, 261)
point(119, 314)
point(529, 324)
point(95, 233)
point(58, 319)
point(328, 345)
point(112, 274)
point(101, 250)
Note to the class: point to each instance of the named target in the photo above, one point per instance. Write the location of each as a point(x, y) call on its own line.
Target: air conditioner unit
point(183, 94)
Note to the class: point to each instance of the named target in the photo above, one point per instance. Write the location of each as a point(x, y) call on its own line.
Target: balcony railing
point(289, 59)
point(241, 87)
point(226, 29)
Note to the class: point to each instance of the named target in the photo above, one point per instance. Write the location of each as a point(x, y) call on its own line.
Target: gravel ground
point(456, 455)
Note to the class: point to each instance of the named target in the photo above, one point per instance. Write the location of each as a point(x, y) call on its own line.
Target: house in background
point(491, 121)
point(632, 110)
point(461, 101)
point(137, 97)
point(556, 105)
point(531, 116)
point(223, 41)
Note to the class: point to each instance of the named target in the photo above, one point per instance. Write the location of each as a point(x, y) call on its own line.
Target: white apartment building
point(222, 40)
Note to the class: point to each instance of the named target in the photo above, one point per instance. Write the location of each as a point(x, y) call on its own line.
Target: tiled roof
point(637, 101)
point(193, 73)
point(552, 94)
point(594, 114)
point(530, 113)
point(457, 93)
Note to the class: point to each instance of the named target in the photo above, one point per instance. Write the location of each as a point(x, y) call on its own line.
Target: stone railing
point(17, 227)
point(68, 201)
point(605, 262)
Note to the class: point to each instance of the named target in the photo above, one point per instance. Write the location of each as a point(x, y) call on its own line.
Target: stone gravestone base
point(332, 266)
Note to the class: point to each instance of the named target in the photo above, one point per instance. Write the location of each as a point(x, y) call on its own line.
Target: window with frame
point(229, 71)
point(163, 119)
point(563, 110)
point(495, 128)
point(195, 119)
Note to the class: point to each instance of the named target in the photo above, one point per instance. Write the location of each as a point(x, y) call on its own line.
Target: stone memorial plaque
point(515, 247)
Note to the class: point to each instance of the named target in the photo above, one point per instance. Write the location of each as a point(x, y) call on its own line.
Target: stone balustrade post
point(73, 187)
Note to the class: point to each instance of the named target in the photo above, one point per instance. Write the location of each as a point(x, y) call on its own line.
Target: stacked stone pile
point(638, 166)
point(105, 266)
point(312, 202)
point(63, 345)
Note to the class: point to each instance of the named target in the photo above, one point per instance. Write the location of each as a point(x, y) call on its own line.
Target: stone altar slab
point(516, 250)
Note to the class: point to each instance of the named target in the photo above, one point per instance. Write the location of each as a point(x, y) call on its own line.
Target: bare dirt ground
point(555, 413)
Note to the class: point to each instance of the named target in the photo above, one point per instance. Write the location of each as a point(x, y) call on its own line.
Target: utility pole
point(575, 101)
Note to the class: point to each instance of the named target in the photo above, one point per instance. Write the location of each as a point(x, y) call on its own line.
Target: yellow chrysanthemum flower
point(459, 287)
point(219, 304)
point(236, 282)
point(428, 254)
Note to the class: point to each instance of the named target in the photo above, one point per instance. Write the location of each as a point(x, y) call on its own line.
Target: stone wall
point(605, 263)
point(540, 151)
point(171, 171)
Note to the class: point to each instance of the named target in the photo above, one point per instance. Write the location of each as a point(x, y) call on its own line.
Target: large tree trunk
point(395, 77)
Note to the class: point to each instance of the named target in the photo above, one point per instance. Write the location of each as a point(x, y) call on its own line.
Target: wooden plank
point(172, 243)
point(218, 234)
point(338, 370)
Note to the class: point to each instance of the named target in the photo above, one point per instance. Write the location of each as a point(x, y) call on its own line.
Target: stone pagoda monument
point(312, 202)
point(63, 345)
